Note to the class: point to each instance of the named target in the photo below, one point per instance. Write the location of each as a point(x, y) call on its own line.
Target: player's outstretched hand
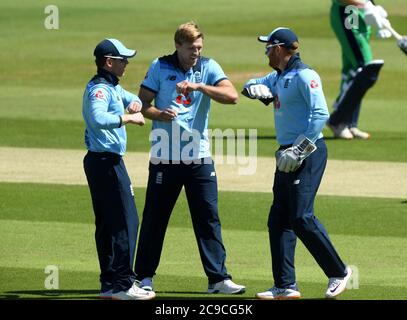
point(259, 91)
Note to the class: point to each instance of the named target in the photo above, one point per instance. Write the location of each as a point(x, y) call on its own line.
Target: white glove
point(383, 13)
point(383, 34)
point(259, 91)
point(291, 158)
point(373, 15)
point(287, 161)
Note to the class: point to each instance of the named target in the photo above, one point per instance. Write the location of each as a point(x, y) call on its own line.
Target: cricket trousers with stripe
point(164, 186)
point(292, 215)
point(116, 219)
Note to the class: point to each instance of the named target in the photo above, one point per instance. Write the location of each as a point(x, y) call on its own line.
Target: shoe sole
point(241, 291)
point(149, 297)
point(278, 298)
point(143, 298)
point(344, 288)
point(362, 138)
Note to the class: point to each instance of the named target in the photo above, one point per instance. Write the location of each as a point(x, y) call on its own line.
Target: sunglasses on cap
point(117, 58)
point(270, 45)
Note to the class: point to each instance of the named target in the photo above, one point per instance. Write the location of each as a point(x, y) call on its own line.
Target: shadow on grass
point(50, 294)
point(194, 295)
point(93, 295)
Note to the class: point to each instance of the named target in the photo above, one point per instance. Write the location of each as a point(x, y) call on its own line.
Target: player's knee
point(302, 225)
point(273, 219)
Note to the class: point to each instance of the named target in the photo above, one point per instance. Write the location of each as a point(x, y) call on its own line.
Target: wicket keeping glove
point(291, 158)
point(260, 92)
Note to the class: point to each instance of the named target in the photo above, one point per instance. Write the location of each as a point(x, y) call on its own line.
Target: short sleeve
point(216, 73)
point(152, 79)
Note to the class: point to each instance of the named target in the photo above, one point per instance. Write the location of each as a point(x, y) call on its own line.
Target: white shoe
point(134, 293)
point(341, 131)
point(337, 285)
point(106, 294)
point(226, 286)
point(279, 294)
point(359, 134)
point(147, 284)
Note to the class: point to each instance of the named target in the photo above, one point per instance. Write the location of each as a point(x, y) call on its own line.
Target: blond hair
point(187, 32)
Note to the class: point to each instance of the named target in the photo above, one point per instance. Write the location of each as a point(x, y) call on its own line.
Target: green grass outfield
point(53, 225)
point(42, 79)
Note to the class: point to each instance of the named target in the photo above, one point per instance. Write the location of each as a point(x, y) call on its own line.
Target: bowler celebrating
point(182, 85)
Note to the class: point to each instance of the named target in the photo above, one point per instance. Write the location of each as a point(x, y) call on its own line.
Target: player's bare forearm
point(154, 113)
point(224, 92)
point(134, 118)
point(151, 112)
point(221, 94)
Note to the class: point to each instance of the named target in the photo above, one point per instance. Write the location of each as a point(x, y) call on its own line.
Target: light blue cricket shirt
point(299, 104)
point(186, 137)
point(104, 101)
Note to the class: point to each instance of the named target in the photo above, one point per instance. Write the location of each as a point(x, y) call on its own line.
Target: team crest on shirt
point(184, 100)
point(314, 84)
point(197, 76)
point(99, 95)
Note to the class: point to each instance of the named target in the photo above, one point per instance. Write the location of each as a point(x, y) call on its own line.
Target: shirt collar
point(293, 63)
point(108, 76)
point(175, 61)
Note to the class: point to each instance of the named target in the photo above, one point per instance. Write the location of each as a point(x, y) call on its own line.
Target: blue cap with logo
point(280, 36)
point(113, 48)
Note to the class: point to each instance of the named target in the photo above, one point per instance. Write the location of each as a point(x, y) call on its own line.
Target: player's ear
point(109, 62)
point(177, 45)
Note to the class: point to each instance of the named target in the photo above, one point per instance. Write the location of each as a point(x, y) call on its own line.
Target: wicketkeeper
point(300, 113)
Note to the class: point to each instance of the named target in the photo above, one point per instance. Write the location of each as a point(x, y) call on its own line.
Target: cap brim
point(121, 49)
point(128, 53)
point(263, 38)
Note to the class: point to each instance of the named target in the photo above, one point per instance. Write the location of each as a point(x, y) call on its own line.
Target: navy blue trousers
point(292, 215)
point(164, 186)
point(116, 219)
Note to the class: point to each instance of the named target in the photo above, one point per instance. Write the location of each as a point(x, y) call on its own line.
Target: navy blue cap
point(113, 48)
point(280, 36)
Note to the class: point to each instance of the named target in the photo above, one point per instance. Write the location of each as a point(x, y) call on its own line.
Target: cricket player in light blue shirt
point(104, 104)
point(300, 113)
point(116, 218)
point(182, 85)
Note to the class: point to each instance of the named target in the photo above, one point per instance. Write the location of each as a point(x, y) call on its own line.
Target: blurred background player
point(352, 27)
